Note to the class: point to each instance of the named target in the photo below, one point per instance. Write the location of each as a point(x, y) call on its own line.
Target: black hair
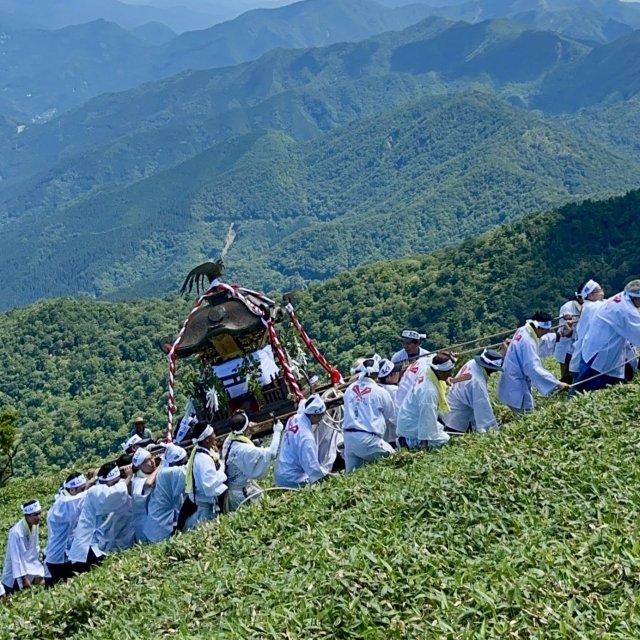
point(28, 503)
point(579, 290)
point(541, 316)
point(199, 428)
point(106, 469)
point(73, 476)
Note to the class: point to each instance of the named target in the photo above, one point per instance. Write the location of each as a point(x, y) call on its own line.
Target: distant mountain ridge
point(100, 56)
point(410, 180)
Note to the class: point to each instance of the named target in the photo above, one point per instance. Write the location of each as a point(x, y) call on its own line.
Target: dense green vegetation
point(483, 285)
point(419, 177)
point(77, 370)
point(528, 533)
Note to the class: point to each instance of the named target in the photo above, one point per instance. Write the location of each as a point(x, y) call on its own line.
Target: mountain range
point(323, 158)
point(413, 179)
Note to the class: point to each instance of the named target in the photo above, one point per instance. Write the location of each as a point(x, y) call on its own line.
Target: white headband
point(497, 363)
point(114, 474)
point(31, 509)
point(244, 427)
point(134, 439)
point(204, 435)
point(75, 483)
point(314, 405)
point(139, 457)
point(589, 288)
point(542, 324)
point(445, 366)
point(632, 293)
point(410, 334)
point(363, 371)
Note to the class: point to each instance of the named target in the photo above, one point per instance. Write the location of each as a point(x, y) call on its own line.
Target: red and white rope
point(334, 374)
point(236, 292)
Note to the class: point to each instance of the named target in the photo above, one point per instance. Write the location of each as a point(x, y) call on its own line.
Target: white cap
point(386, 368)
point(633, 289)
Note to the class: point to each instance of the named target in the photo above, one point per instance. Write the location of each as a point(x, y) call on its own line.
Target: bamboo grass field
point(531, 532)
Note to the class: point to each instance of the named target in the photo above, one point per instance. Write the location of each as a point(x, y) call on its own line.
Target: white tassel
point(213, 403)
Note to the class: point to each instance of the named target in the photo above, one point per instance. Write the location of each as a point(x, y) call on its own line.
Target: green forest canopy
point(77, 370)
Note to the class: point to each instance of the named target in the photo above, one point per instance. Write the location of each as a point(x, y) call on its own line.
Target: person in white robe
point(523, 367)
point(206, 479)
point(298, 463)
point(418, 418)
point(142, 486)
point(245, 463)
point(93, 534)
point(167, 496)
point(469, 401)
point(593, 298)
point(62, 519)
point(604, 348)
point(368, 408)
point(389, 378)
point(411, 349)
point(22, 566)
point(569, 317)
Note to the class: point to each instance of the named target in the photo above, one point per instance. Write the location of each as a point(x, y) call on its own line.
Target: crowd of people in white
point(413, 400)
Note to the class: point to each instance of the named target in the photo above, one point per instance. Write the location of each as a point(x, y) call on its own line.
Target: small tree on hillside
point(8, 443)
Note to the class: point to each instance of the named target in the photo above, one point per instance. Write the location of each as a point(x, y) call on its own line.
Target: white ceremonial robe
point(94, 528)
point(402, 355)
point(409, 377)
point(616, 322)
point(589, 309)
point(564, 346)
point(164, 503)
point(209, 484)
point(469, 402)
point(23, 554)
point(522, 368)
point(368, 408)
point(297, 462)
point(62, 519)
point(140, 494)
point(245, 463)
point(390, 432)
point(418, 415)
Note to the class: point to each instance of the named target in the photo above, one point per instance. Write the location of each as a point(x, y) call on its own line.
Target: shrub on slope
point(530, 532)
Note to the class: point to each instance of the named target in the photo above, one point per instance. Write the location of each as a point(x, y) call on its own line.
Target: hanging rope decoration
point(235, 291)
point(334, 374)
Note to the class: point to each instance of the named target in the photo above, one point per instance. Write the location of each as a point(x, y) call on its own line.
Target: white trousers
point(360, 447)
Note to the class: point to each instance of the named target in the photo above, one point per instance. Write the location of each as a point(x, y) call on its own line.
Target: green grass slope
point(528, 533)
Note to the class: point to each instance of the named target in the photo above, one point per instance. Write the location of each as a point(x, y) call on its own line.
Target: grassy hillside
point(423, 176)
point(77, 370)
point(528, 533)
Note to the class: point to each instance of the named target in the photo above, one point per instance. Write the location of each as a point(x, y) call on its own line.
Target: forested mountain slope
point(51, 71)
point(125, 136)
point(77, 370)
point(530, 532)
point(417, 178)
